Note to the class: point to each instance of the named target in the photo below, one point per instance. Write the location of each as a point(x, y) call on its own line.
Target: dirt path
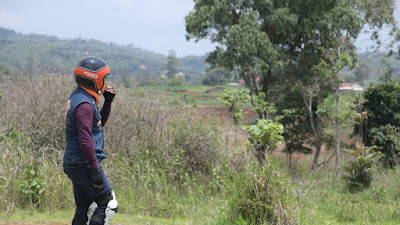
point(23, 223)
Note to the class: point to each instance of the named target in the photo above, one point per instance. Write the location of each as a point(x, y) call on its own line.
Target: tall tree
point(271, 39)
point(331, 37)
point(347, 18)
point(172, 63)
point(252, 38)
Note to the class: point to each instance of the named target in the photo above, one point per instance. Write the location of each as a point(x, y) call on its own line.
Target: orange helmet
point(91, 72)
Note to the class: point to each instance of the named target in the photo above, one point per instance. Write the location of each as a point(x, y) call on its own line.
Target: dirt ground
point(23, 223)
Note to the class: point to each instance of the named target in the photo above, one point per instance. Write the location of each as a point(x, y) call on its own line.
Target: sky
point(154, 25)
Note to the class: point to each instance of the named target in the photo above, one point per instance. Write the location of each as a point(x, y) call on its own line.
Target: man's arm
point(105, 112)
point(84, 122)
point(109, 95)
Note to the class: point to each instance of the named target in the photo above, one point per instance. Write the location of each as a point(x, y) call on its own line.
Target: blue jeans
point(84, 192)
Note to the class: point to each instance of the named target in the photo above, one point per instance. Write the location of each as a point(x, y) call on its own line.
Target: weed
point(33, 186)
point(262, 196)
point(357, 171)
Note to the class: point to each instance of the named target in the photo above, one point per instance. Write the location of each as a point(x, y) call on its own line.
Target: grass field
point(153, 183)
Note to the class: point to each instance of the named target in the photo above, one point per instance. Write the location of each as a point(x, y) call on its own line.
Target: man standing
point(94, 198)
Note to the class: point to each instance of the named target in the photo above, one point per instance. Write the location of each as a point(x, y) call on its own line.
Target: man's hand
point(96, 177)
point(109, 94)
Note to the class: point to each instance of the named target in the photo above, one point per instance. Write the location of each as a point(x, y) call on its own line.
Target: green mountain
point(374, 68)
point(35, 54)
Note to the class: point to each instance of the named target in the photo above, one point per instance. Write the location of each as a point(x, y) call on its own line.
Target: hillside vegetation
point(34, 52)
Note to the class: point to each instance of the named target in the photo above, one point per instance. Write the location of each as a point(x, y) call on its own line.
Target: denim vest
point(73, 153)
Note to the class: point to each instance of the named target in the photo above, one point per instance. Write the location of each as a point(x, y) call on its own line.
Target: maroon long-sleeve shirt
point(84, 121)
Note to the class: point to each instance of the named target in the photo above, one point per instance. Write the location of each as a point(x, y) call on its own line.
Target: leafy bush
point(33, 186)
point(386, 139)
point(383, 106)
point(176, 81)
point(264, 136)
point(262, 196)
point(197, 140)
point(358, 171)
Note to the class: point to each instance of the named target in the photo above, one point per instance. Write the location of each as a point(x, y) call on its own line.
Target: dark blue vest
point(73, 153)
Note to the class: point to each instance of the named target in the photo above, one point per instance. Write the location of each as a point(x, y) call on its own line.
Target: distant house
point(346, 87)
point(143, 66)
point(235, 84)
point(243, 82)
point(177, 75)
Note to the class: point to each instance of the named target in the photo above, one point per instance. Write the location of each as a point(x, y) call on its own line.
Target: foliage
point(216, 76)
point(33, 186)
point(196, 142)
point(234, 98)
point(50, 55)
point(297, 128)
point(264, 136)
point(296, 131)
point(172, 64)
point(145, 163)
point(358, 171)
point(383, 107)
point(262, 196)
point(175, 81)
point(347, 111)
point(162, 163)
point(386, 138)
point(5, 70)
point(266, 109)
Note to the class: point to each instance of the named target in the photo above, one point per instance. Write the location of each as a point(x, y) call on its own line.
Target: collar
point(91, 92)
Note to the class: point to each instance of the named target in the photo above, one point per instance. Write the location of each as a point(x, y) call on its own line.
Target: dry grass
point(150, 145)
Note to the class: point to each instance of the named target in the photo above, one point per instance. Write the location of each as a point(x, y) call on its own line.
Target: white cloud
point(9, 19)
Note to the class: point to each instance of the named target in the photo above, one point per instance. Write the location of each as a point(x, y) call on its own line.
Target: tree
point(252, 37)
point(274, 39)
point(387, 71)
point(358, 174)
point(362, 72)
point(216, 76)
point(333, 41)
point(172, 64)
point(348, 19)
point(264, 136)
point(234, 99)
point(297, 130)
point(383, 107)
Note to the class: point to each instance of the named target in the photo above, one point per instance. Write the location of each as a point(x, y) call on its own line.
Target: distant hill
point(35, 53)
point(373, 68)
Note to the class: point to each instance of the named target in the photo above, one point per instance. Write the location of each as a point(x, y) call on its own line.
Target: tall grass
point(161, 160)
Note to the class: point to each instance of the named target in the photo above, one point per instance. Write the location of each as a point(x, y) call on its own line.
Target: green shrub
point(358, 171)
point(264, 136)
point(386, 138)
point(33, 186)
point(176, 81)
point(197, 141)
point(262, 196)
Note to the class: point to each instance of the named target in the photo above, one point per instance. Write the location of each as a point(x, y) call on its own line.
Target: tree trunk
point(316, 125)
point(318, 144)
point(236, 130)
point(338, 129)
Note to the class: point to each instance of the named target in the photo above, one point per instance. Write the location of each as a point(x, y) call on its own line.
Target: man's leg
point(82, 205)
point(107, 207)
